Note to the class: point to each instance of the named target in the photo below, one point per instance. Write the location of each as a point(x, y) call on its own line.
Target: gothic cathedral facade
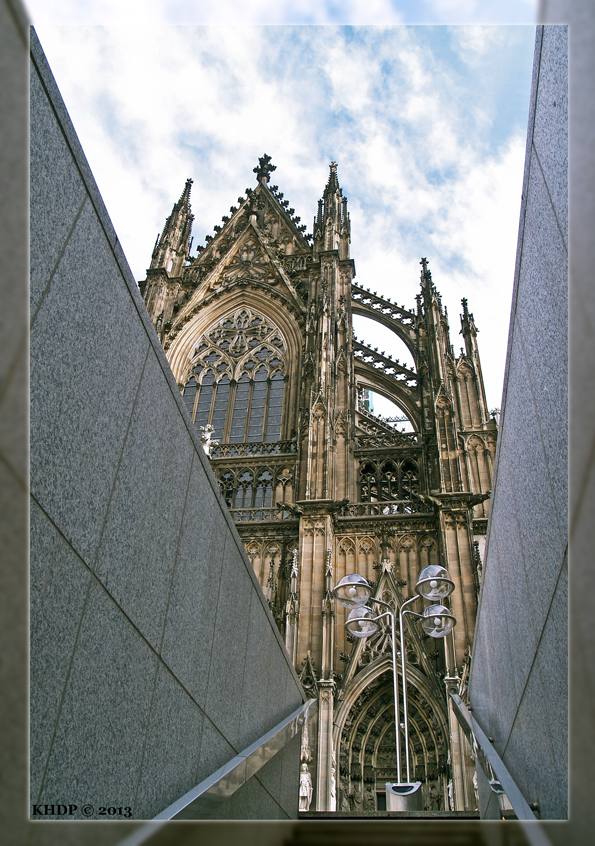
point(258, 331)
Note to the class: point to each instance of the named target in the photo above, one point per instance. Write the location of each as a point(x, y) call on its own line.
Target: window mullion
point(231, 401)
point(266, 410)
point(249, 409)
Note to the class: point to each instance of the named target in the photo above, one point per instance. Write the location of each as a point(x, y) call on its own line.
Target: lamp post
point(363, 622)
point(433, 584)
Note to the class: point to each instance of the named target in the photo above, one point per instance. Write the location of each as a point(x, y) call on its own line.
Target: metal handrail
point(204, 799)
point(489, 759)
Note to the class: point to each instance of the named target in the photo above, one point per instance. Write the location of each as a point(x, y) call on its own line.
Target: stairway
point(435, 830)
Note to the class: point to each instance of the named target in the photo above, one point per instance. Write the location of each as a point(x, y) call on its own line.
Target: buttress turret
point(332, 227)
point(173, 245)
point(163, 285)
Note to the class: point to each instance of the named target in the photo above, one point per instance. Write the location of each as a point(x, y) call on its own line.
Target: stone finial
point(264, 169)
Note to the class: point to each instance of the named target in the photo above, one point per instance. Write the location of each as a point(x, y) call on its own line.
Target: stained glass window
point(238, 379)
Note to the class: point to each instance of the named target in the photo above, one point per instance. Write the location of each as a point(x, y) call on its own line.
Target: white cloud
point(213, 12)
point(155, 105)
point(356, 12)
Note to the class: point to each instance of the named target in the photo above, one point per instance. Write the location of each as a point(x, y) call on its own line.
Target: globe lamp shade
point(437, 621)
point(434, 583)
point(353, 591)
point(361, 622)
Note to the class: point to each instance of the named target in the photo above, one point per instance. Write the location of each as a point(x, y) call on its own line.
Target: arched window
point(244, 492)
point(264, 489)
point(409, 479)
point(388, 481)
point(368, 482)
point(226, 483)
point(238, 379)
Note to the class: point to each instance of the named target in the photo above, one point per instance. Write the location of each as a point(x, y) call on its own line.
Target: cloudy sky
point(427, 124)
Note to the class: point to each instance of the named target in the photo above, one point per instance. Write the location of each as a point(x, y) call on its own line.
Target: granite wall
point(518, 684)
point(154, 657)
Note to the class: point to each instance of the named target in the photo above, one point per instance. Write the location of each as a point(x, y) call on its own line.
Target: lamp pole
point(389, 613)
point(404, 683)
point(433, 584)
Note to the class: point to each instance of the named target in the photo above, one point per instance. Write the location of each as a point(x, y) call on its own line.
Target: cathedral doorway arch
point(364, 734)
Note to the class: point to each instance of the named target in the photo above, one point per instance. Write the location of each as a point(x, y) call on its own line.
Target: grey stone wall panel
point(247, 801)
point(261, 645)
point(504, 691)
point(582, 394)
point(541, 542)
point(59, 585)
point(551, 661)
point(87, 355)
point(540, 776)
point(515, 630)
point(289, 786)
point(229, 661)
point(138, 547)
point(271, 776)
point(57, 192)
point(550, 131)
point(188, 635)
point(172, 747)
point(97, 750)
point(215, 751)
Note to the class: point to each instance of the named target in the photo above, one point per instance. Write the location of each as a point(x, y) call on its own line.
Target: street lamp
point(433, 584)
point(353, 591)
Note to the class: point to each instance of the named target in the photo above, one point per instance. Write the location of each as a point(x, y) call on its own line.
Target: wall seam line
point(124, 613)
point(564, 558)
point(64, 688)
point(550, 199)
point(117, 470)
point(57, 262)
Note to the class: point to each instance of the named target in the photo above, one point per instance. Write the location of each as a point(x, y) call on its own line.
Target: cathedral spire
point(185, 196)
point(332, 227)
point(468, 328)
point(172, 247)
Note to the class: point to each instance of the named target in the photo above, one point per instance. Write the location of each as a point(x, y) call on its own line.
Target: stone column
point(325, 745)
point(456, 749)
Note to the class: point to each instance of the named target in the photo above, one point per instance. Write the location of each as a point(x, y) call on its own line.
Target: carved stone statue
point(433, 798)
point(358, 799)
point(476, 790)
point(305, 788)
point(451, 800)
point(207, 439)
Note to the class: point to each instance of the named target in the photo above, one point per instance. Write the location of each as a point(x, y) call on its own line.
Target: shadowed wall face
point(518, 683)
point(154, 657)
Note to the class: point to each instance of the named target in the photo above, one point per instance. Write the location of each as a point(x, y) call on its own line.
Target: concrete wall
point(154, 658)
point(518, 684)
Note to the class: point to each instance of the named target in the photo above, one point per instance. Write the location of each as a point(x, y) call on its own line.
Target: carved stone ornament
point(305, 788)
